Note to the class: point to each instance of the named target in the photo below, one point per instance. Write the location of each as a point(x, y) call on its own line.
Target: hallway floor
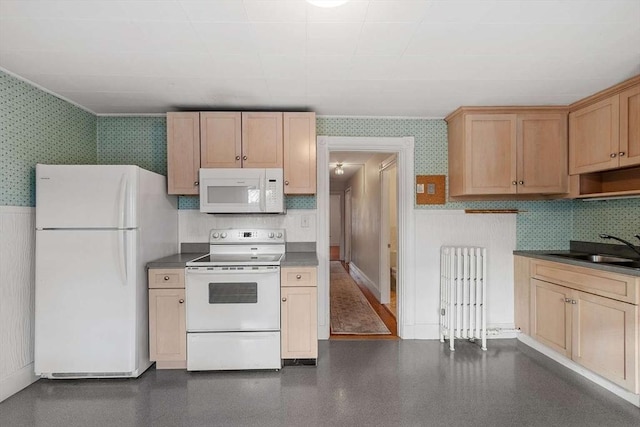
point(356, 383)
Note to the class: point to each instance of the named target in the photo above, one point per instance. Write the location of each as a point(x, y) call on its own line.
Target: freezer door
point(85, 315)
point(86, 196)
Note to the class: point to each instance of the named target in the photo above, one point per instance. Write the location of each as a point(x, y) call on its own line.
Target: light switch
point(420, 188)
point(431, 188)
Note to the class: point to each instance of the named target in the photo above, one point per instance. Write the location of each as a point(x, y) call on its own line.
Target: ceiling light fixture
point(327, 3)
point(338, 170)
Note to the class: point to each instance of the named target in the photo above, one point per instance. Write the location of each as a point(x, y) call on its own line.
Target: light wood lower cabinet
point(167, 319)
point(299, 313)
point(551, 316)
point(590, 316)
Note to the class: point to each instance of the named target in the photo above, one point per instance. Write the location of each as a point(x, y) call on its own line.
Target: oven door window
point(233, 293)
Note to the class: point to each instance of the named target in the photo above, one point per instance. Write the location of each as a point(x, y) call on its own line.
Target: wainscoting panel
point(17, 291)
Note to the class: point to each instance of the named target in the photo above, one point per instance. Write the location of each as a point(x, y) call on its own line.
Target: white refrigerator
point(96, 228)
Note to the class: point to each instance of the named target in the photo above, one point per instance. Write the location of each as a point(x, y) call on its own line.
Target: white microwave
point(237, 190)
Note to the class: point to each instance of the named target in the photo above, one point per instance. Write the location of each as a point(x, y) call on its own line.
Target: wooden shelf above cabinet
point(614, 183)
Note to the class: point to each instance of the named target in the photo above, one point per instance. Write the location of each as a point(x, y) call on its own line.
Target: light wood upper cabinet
point(604, 130)
point(299, 153)
point(506, 151)
point(183, 152)
point(594, 136)
point(630, 126)
point(262, 140)
point(220, 140)
point(542, 153)
point(490, 153)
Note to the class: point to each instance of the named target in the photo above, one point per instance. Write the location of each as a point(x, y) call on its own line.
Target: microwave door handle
point(263, 193)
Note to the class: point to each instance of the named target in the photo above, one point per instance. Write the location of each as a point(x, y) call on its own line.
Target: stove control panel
point(246, 236)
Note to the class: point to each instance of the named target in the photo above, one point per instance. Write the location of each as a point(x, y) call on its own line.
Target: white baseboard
point(17, 381)
point(370, 284)
point(630, 397)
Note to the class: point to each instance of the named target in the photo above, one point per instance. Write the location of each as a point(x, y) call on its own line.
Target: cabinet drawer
point(611, 285)
point(299, 276)
point(166, 278)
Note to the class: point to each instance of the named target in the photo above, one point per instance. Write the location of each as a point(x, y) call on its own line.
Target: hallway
point(354, 307)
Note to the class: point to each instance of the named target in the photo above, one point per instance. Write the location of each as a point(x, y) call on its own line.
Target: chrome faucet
point(607, 236)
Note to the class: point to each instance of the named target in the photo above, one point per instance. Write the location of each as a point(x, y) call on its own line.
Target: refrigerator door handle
point(122, 255)
point(121, 205)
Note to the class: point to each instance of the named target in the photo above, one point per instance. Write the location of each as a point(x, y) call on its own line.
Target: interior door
point(85, 301)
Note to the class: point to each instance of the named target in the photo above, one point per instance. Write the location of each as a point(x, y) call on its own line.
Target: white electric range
point(233, 301)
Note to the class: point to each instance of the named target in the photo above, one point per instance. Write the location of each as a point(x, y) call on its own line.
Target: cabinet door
point(594, 137)
point(299, 322)
point(551, 316)
point(299, 153)
point(220, 140)
point(521, 290)
point(630, 127)
point(183, 152)
point(490, 154)
point(167, 326)
point(605, 334)
point(262, 140)
point(542, 153)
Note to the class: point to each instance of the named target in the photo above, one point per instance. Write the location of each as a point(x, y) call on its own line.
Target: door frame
point(385, 231)
point(403, 147)
point(347, 225)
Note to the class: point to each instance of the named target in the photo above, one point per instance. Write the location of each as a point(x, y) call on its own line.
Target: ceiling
point(352, 162)
point(365, 58)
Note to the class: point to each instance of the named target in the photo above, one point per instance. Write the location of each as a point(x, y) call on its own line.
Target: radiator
point(462, 294)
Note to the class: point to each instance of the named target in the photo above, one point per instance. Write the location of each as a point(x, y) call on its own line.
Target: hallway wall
point(365, 234)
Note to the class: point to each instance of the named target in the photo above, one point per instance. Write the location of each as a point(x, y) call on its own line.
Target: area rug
point(351, 313)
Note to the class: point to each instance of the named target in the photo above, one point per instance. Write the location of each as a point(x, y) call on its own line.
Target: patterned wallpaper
point(37, 127)
point(138, 140)
point(620, 218)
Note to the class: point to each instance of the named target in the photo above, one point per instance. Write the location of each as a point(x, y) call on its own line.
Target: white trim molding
point(355, 271)
point(404, 149)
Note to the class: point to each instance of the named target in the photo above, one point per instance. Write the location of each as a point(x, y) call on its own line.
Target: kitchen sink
point(601, 259)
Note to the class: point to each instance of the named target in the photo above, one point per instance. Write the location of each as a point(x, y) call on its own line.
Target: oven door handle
point(218, 272)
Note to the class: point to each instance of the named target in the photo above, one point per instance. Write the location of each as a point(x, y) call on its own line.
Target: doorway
point(403, 147)
point(360, 303)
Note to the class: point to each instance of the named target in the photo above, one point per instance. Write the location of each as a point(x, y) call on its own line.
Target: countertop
point(549, 256)
point(291, 259)
point(174, 261)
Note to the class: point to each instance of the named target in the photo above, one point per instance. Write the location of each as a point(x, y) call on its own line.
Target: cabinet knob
point(286, 183)
point(514, 182)
point(237, 157)
point(520, 182)
point(244, 157)
point(621, 154)
point(196, 183)
point(298, 276)
point(181, 301)
point(284, 299)
point(166, 277)
point(567, 300)
point(574, 301)
point(612, 155)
